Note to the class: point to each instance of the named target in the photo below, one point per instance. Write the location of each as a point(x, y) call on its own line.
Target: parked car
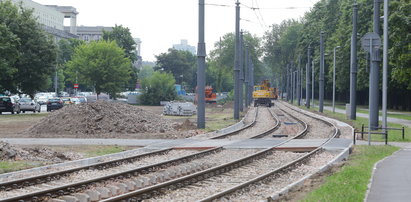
point(82, 99)
point(67, 100)
point(9, 104)
point(54, 104)
point(42, 100)
point(75, 100)
point(27, 104)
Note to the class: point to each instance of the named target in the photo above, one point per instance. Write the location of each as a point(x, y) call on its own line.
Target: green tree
point(146, 71)
point(100, 64)
point(181, 64)
point(158, 87)
point(30, 53)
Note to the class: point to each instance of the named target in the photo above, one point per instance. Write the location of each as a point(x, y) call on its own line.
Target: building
point(185, 47)
point(89, 33)
point(51, 20)
point(139, 62)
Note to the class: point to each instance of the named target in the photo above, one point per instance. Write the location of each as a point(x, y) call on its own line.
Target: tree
point(146, 71)
point(181, 64)
point(100, 64)
point(158, 87)
point(123, 38)
point(30, 53)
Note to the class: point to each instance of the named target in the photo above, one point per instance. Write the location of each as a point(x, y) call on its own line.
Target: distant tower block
point(69, 12)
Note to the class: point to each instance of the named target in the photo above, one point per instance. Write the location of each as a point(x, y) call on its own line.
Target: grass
point(103, 150)
point(11, 166)
point(350, 183)
point(393, 135)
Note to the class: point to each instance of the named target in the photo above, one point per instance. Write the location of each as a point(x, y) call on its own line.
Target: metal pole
point(307, 78)
point(385, 66)
point(251, 79)
point(237, 63)
point(247, 100)
point(374, 72)
point(321, 75)
point(299, 82)
point(313, 83)
point(334, 79)
point(353, 63)
point(241, 72)
point(55, 82)
point(201, 54)
point(288, 82)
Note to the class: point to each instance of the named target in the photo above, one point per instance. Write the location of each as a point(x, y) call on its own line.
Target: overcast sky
point(161, 23)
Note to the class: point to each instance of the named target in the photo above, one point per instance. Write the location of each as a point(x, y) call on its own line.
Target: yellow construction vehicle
point(263, 94)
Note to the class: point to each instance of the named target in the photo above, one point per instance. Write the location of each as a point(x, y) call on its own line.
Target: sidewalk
point(391, 179)
point(389, 119)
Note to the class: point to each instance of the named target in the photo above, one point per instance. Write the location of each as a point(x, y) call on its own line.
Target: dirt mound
point(186, 125)
point(9, 152)
point(101, 118)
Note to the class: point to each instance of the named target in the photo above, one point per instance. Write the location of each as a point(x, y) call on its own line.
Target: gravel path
point(262, 190)
point(234, 177)
point(316, 129)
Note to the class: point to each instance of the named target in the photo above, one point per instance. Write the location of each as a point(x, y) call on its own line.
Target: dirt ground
point(15, 126)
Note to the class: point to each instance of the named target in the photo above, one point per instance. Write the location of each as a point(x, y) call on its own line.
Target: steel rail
point(240, 129)
point(272, 129)
point(286, 168)
point(48, 177)
point(71, 188)
point(157, 189)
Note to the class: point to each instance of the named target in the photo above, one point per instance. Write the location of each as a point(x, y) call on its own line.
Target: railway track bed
point(245, 159)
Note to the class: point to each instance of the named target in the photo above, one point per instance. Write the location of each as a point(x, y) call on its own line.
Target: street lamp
point(335, 48)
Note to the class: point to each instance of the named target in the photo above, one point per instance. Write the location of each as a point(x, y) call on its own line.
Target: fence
point(385, 133)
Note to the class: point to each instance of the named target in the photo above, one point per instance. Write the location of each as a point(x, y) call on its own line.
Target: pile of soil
point(9, 152)
point(186, 125)
point(102, 117)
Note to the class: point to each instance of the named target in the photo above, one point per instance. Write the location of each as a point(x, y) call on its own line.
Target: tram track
point(169, 181)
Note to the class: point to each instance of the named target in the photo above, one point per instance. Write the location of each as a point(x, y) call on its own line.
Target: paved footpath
point(391, 179)
point(389, 119)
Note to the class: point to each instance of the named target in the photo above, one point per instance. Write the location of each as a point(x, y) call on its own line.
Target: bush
point(158, 87)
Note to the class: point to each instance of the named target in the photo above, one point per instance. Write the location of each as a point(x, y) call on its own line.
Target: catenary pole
point(385, 66)
point(334, 78)
point(201, 54)
point(241, 72)
point(353, 65)
point(312, 82)
point(374, 72)
point(246, 77)
point(307, 78)
point(237, 63)
point(299, 82)
point(321, 75)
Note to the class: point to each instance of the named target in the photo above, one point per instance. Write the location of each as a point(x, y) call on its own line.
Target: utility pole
point(246, 69)
point(55, 82)
point(288, 82)
point(237, 63)
point(334, 78)
point(299, 82)
point(251, 79)
point(307, 78)
point(241, 72)
point(292, 83)
point(353, 64)
point(321, 75)
point(313, 82)
point(385, 67)
point(201, 54)
point(374, 71)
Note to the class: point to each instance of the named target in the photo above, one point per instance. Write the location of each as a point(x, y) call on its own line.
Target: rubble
point(102, 117)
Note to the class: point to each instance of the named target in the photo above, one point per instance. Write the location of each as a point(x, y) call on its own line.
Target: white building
point(185, 47)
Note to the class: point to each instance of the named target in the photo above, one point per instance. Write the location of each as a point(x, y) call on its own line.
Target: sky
point(161, 23)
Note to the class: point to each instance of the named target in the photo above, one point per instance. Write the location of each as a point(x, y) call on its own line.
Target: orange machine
point(209, 96)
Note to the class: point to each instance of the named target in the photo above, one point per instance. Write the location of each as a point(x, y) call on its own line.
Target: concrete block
point(56, 200)
point(131, 186)
point(104, 192)
point(82, 197)
point(122, 187)
point(94, 195)
point(114, 190)
point(69, 199)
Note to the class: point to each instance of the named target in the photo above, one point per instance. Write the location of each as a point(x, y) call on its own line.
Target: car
point(82, 99)
point(75, 100)
point(42, 100)
point(27, 104)
point(54, 104)
point(9, 104)
point(67, 100)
